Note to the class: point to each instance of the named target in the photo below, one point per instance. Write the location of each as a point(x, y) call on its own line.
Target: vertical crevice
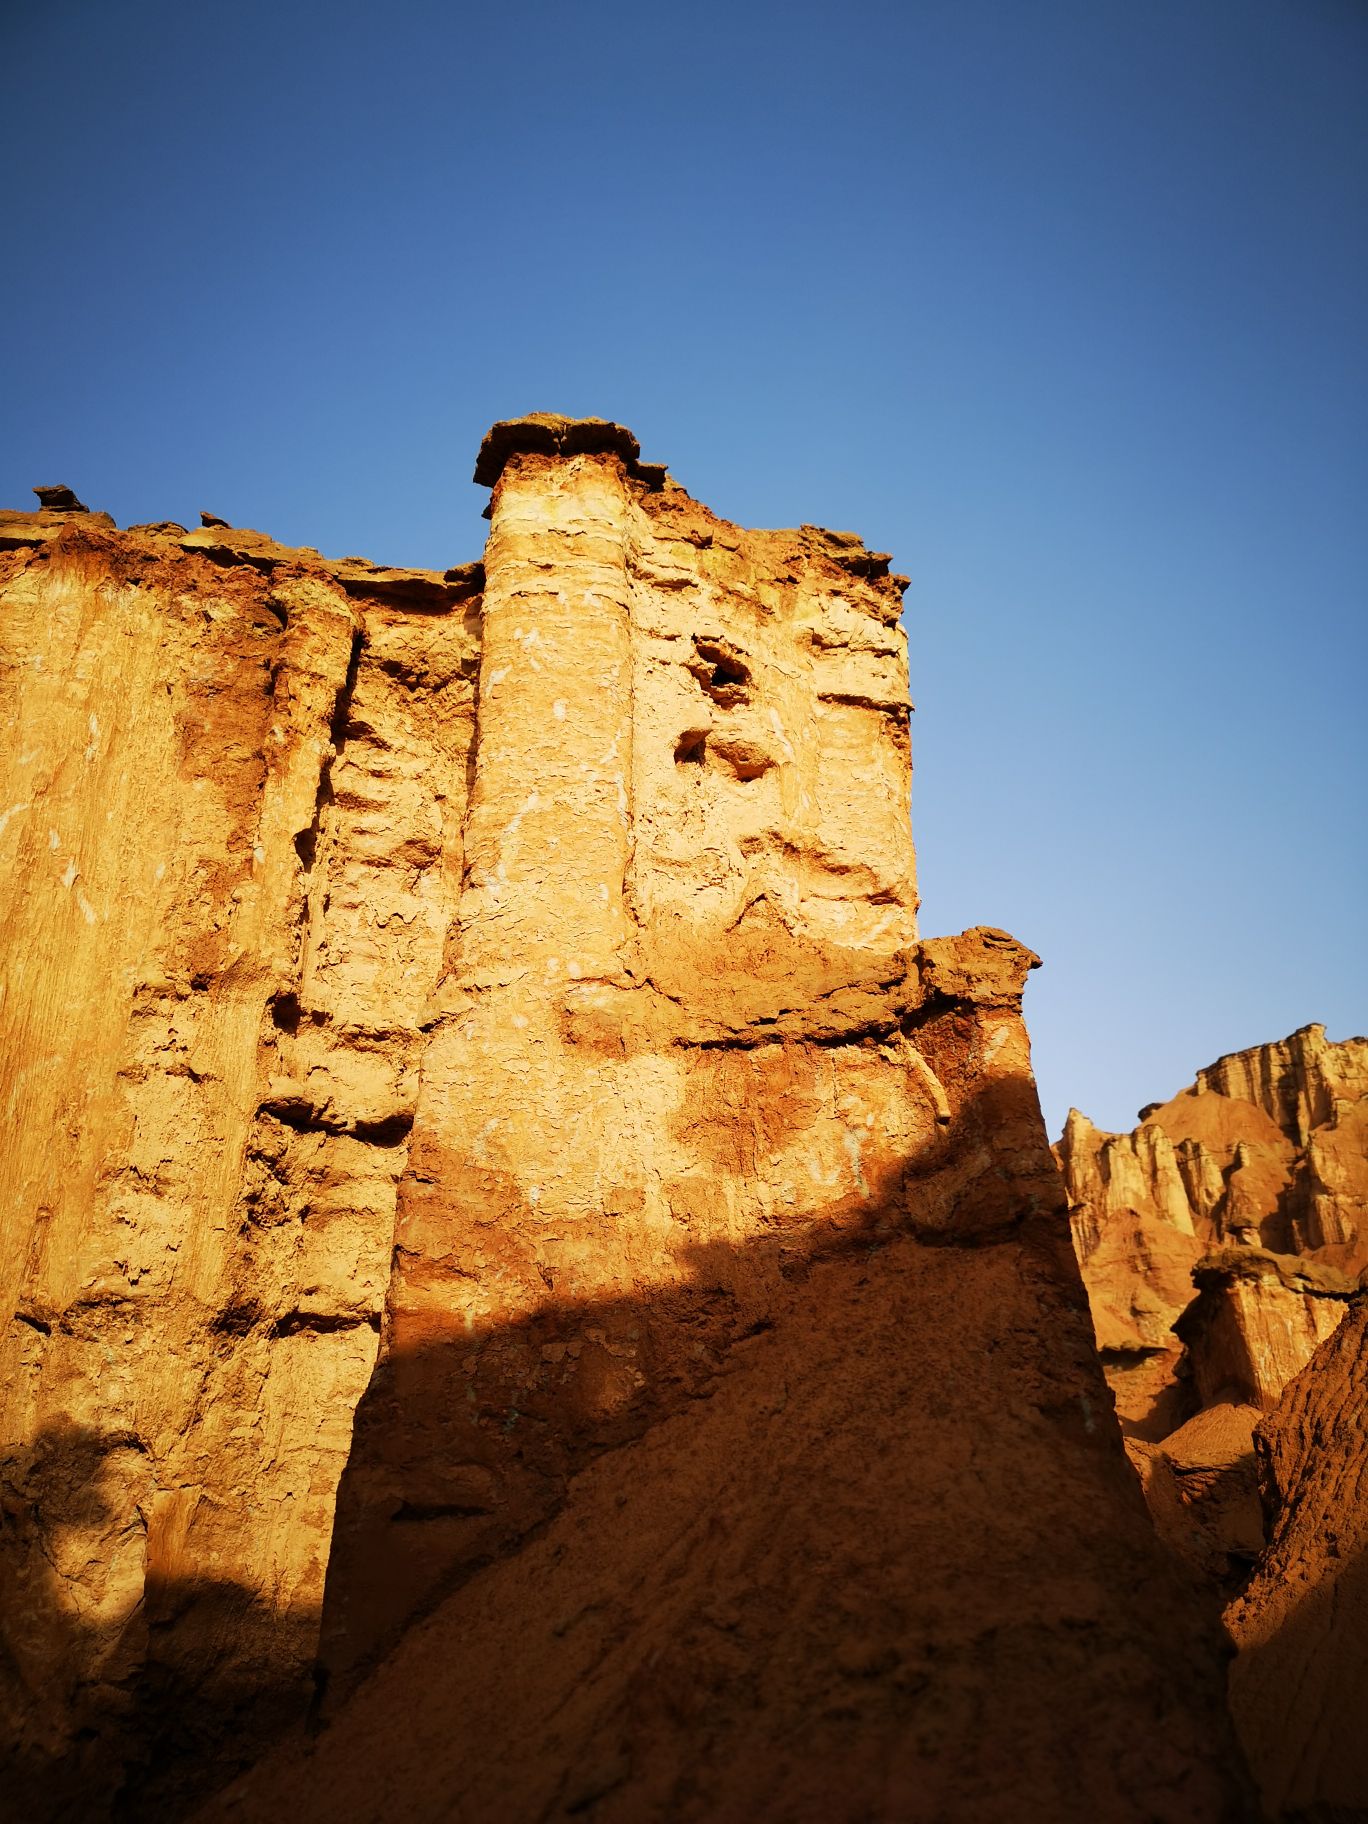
point(306, 842)
point(470, 669)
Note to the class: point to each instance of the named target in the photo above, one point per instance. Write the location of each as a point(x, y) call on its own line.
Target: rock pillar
point(547, 832)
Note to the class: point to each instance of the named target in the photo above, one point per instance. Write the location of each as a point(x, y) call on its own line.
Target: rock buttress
point(736, 1427)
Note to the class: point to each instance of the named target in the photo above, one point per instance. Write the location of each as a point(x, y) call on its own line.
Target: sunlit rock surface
point(1256, 1321)
point(504, 1202)
point(1257, 1174)
point(1223, 1245)
point(235, 781)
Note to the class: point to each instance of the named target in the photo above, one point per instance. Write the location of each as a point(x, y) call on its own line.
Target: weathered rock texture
point(1299, 1689)
point(489, 1007)
point(1261, 1159)
point(235, 786)
point(1221, 1244)
point(859, 1580)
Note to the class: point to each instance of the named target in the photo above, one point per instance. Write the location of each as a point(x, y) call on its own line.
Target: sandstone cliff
point(491, 1147)
point(236, 781)
point(1221, 1244)
point(1257, 1174)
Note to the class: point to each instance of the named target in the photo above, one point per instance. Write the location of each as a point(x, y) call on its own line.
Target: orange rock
point(233, 781)
point(1256, 1322)
point(1254, 1180)
point(1264, 1153)
point(881, 1567)
point(1201, 1484)
point(493, 1143)
point(1299, 1689)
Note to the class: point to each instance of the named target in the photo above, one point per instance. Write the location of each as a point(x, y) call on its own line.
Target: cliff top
point(553, 434)
point(225, 544)
point(543, 433)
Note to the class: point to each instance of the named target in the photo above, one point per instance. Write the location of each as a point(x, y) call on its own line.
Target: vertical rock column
point(501, 1210)
point(543, 904)
point(547, 832)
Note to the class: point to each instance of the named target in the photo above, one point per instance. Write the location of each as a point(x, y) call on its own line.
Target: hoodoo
point(514, 1242)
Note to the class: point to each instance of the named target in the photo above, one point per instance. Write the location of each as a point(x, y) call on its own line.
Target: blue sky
point(1064, 304)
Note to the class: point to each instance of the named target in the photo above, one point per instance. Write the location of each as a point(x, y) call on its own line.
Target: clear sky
point(1065, 304)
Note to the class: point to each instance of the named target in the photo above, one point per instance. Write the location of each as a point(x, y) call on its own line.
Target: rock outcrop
point(1223, 1245)
point(1256, 1321)
point(502, 1195)
point(856, 1580)
point(1256, 1176)
point(1299, 1689)
point(235, 786)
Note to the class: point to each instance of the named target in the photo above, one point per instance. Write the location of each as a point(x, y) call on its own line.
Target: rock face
point(492, 1148)
point(1221, 1244)
point(236, 786)
point(1261, 1159)
point(855, 1581)
point(1299, 1689)
point(1256, 1321)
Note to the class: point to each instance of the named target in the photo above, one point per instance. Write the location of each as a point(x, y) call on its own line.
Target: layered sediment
point(515, 1234)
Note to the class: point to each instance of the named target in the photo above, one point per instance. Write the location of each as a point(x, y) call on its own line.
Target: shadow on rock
point(118, 1696)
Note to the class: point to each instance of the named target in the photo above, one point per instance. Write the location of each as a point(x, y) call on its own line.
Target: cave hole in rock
point(723, 674)
point(691, 747)
point(285, 1010)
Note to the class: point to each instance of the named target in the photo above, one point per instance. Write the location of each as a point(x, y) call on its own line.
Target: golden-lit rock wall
point(234, 787)
point(458, 1027)
point(1257, 1172)
point(674, 1022)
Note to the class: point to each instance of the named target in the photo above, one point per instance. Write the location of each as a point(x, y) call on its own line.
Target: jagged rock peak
point(555, 435)
point(1297, 1081)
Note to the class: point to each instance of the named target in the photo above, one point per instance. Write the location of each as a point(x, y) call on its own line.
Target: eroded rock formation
point(492, 1147)
point(1299, 1689)
point(1222, 1245)
point(1256, 1174)
point(236, 782)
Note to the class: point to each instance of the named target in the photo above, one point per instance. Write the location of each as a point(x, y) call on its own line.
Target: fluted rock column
point(518, 1146)
point(547, 833)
